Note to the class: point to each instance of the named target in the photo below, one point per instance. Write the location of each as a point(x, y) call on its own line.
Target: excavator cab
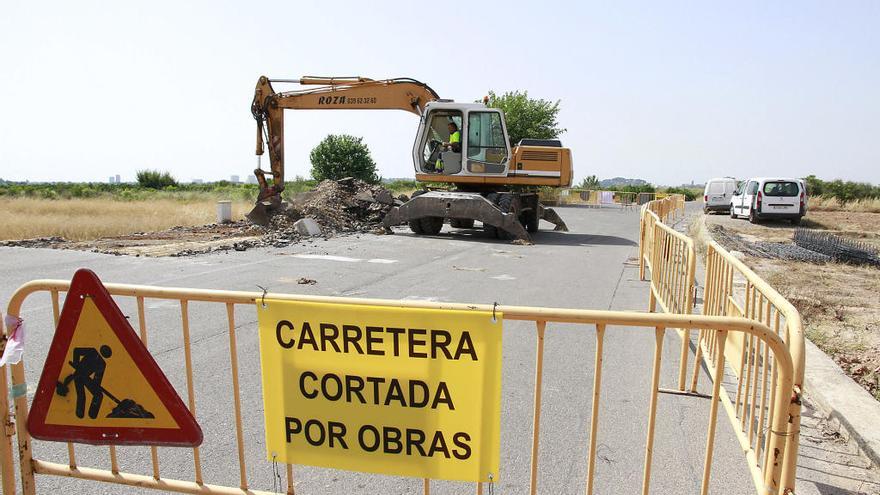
point(484, 149)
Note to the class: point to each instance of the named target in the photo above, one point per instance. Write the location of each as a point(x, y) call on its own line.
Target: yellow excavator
point(487, 180)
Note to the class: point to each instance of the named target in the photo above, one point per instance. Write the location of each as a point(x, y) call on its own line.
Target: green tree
point(814, 185)
point(154, 179)
point(590, 182)
point(527, 117)
point(340, 156)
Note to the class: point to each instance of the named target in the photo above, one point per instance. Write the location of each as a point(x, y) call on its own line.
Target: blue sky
point(666, 91)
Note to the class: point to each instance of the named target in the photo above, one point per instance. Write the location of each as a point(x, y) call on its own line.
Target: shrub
point(153, 179)
point(341, 155)
point(689, 194)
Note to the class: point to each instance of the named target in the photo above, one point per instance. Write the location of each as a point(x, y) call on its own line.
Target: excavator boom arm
point(327, 93)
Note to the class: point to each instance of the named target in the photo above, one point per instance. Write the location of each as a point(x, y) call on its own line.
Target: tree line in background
point(591, 183)
point(843, 191)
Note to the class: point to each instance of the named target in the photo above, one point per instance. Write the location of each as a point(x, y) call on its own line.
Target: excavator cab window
point(486, 145)
point(438, 133)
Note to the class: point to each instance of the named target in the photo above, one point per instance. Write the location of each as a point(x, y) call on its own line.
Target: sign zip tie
point(491, 489)
point(263, 298)
point(494, 305)
point(276, 476)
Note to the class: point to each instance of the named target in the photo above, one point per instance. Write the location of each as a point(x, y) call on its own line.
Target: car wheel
point(796, 221)
point(753, 217)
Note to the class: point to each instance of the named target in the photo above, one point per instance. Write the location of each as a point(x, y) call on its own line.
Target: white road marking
point(503, 277)
point(343, 259)
point(327, 257)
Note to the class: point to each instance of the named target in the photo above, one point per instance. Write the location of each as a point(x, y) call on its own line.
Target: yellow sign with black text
point(401, 391)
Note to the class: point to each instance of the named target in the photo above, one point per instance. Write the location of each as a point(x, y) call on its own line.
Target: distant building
point(118, 179)
point(251, 179)
point(233, 179)
point(198, 181)
point(112, 180)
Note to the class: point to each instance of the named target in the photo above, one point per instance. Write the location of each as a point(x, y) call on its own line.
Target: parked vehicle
point(763, 198)
point(717, 194)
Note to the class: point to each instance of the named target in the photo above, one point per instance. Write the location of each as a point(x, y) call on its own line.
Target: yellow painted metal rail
point(731, 289)
point(715, 331)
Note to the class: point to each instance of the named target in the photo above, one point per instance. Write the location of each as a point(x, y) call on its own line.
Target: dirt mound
point(346, 205)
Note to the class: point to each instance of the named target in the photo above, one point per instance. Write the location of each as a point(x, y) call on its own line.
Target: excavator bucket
point(259, 215)
point(264, 209)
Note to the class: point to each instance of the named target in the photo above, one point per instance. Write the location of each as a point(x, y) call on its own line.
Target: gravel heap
point(338, 206)
point(346, 205)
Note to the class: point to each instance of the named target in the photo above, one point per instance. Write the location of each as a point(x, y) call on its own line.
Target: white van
point(717, 194)
point(765, 197)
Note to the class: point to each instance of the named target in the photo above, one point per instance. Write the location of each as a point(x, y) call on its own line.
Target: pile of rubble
point(345, 205)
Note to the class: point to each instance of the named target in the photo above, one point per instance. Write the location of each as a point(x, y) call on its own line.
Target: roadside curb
point(843, 401)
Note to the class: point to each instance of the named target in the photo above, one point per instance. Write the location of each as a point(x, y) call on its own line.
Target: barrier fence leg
point(652, 412)
point(536, 427)
point(713, 410)
point(6, 462)
point(594, 408)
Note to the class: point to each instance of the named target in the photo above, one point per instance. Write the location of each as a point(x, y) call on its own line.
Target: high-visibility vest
point(455, 137)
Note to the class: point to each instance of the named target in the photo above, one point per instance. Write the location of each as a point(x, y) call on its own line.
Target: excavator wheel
point(416, 225)
point(461, 223)
point(532, 221)
point(423, 225)
point(431, 225)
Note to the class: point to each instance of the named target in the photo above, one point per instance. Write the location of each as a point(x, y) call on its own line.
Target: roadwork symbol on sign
point(403, 391)
point(100, 385)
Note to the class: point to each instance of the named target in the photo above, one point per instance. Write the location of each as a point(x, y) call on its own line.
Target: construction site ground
point(592, 266)
point(840, 303)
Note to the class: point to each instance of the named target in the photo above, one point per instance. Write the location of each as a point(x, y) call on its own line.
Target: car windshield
point(781, 188)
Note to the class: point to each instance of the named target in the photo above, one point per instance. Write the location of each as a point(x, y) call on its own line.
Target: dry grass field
point(834, 204)
point(87, 219)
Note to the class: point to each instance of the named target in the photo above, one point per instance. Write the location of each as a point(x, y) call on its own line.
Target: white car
point(717, 194)
point(765, 197)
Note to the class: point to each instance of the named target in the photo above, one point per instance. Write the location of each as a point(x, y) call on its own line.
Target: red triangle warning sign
point(100, 385)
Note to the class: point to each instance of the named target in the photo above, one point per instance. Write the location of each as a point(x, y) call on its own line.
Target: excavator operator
point(454, 145)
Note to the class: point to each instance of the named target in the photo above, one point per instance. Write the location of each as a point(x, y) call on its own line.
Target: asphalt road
point(593, 266)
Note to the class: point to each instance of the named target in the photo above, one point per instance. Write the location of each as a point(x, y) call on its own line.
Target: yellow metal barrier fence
point(671, 257)
point(713, 329)
point(731, 289)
